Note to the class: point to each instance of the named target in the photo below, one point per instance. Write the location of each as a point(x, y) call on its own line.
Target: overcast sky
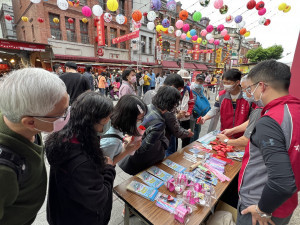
point(283, 30)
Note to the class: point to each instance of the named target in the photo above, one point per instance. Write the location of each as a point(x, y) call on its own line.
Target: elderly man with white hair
point(32, 101)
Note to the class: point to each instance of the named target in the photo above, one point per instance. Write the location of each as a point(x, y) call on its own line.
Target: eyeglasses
point(248, 89)
point(65, 115)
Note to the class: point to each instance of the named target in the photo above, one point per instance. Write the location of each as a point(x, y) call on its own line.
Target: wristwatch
point(226, 140)
point(262, 214)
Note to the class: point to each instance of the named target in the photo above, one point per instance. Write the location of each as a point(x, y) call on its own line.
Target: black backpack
point(15, 162)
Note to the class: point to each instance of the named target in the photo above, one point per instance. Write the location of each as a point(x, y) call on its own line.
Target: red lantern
point(260, 5)
point(183, 14)
point(145, 14)
point(268, 21)
point(8, 17)
point(251, 4)
point(40, 20)
point(70, 20)
point(137, 15)
point(226, 37)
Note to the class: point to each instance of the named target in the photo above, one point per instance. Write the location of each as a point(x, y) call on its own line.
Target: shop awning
point(21, 45)
point(189, 66)
point(200, 66)
point(169, 64)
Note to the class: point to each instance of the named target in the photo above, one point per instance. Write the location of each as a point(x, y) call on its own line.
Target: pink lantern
point(203, 33)
point(210, 28)
point(217, 42)
point(262, 11)
point(179, 24)
point(183, 36)
point(186, 27)
point(86, 11)
point(223, 32)
point(194, 38)
point(220, 27)
point(211, 40)
point(218, 4)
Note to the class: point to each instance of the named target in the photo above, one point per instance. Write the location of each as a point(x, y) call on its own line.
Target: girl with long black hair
point(81, 178)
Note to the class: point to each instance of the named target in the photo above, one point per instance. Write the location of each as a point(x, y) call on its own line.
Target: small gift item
point(170, 185)
point(181, 213)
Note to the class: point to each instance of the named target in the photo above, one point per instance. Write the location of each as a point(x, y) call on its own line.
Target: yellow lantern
point(287, 9)
point(84, 20)
point(163, 28)
point(188, 34)
point(282, 6)
point(55, 20)
point(247, 34)
point(24, 18)
point(112, 5)
point(199, 40)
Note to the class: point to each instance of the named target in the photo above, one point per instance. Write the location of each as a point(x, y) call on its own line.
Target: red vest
point(229, 117)
point(275, 109)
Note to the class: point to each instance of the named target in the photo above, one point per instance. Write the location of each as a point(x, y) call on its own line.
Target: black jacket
point(78, 192)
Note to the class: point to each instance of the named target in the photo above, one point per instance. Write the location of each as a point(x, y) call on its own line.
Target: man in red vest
point(270, 175)
point(233, 108)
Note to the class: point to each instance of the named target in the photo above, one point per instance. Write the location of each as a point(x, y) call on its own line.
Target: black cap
point(200, 77)
point(71, 65)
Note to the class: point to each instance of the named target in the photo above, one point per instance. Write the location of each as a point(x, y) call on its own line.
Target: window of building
point(150, 45)
point(122, 7)
point(122, 44)
point(70, 29)
point(82, 2)
point(113, 34)
point(143, 39)
point(84, 33)
point(166, 47)
point(32, 32)
point(24, 35)
point(106, 37)
point(54, 27)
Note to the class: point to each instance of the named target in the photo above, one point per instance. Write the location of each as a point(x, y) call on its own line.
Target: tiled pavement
point(118, 204)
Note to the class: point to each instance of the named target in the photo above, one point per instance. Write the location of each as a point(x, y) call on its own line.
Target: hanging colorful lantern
point(24, 18)
point(112, 5)
point(262, 11)
point(209, 28)
point(262, 20)
point(120, 19)
point(199, 40)
point(178, 33)
point(226, 37)
point(97, 10)
point(86, 11)
point(40, 20)
point(188, 38)
point(242, 24)
point(238, 19)
point(183, 15)
point(243, 31)
point(224, 32)
point(220, 27)
point(260, 5)
point(229, 19)
point(194, 38)
point(217, 42)
point(137, 25)
point(223, 9)
point(74, 3)
point(62, 4)
point(151, 16)
point(203, 33)
point(287, 9)
point(268, 21)
point(70, 20)
point(8, 17)
point(165, 23)
point(188, 34)
point(247, 34)
point(218, 4)
point(209, 36)
point(186, 27)
point(55, 20)
point(251, 4)
point(183, 36)
point(171, 5)
point(137, 15)
point(204, 3)
point(150, 25)
point(125, 20)
point(179, 24)
point(282, 6)
point(171, 30)
point(155, 4)
point(197, 16)
point(145, 14)
point(193, 32)
point(84, 20)
point(107, 17)
point(204, 42)
point(211, 40)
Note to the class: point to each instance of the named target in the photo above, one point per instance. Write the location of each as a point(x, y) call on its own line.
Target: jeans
point(247, 219)
point(146, 88)
point(172, 146)
point(139, 90)
point(102, 91)
point(196, 129)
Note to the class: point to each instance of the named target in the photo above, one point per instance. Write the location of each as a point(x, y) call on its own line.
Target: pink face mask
point(133, 80)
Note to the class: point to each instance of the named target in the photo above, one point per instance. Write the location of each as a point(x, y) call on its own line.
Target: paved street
point(118, 205)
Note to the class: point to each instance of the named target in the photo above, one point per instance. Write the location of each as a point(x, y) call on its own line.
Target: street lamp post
point(140, 45)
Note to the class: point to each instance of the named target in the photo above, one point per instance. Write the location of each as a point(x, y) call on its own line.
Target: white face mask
point(228, 87)
point(258, 102)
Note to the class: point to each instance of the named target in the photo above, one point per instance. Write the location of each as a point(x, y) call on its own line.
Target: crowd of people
point(256, 112)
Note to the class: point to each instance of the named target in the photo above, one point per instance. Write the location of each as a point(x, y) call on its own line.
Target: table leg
point(126, 216)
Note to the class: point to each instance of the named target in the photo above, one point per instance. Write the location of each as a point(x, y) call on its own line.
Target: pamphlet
point(178, 168)
point(150, 180)
point(142, 190)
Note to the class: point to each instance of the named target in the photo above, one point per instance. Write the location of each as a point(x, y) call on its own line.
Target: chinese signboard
point(100, 31)
point(126, 37)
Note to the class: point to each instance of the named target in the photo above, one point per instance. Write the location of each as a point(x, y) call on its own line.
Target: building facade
point(7, 29)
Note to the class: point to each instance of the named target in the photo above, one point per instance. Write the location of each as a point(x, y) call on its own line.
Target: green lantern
point(197, 16)
point(204, 42)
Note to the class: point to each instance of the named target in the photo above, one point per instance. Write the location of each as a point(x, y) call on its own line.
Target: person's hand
point(187, 114)
point(256, 217)
point(202, 120)
point(191, 134)
point(222, 137)
point(132, 146)
point(181, 114)
point(109, 161)
point(228, 132)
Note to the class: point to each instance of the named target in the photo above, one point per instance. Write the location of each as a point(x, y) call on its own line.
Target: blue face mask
point(251, 99)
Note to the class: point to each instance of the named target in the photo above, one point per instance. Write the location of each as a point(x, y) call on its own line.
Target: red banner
point(22, 46)
point(200, 51)
point(126, 37)
point(101, 31)
point(195, 54)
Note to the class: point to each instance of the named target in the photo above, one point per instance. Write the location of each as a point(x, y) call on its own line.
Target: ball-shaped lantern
point(226, 37)
point(55, 20)
point(137, 15)
point(247, 34)
point(262, 11)
point(171, 5)
point(188, 34)
point(179, 24)
point(203, 33)
point(40, 20)
point(238, 19)
point(197, 16)
point(204, 42)
point(223, 9)
point(267, 23)
point(218, 4)
point(209, 28)
point(107, 17)
point(178, 33)
point(220, 27)
point(224, 32)
point(8, 17)
point(229, 19)
point(165, 23)
point(171, 29)
point(183, 36)
point(150, 25)
point(24, 18)
point(97, 10)
point(251, 4)
point(183, 15)
point(86, 11)
point(70, 20)
point(155, 4)
point(151, 16)
point(204, 3)
point(84, 20)
point(186, 27)
point(199, 40)
point(74, 3)
point(120, 19)
point(194, 38)
point(243, 31)
point(112, 5)
point(193, 32)
point(260, 5)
